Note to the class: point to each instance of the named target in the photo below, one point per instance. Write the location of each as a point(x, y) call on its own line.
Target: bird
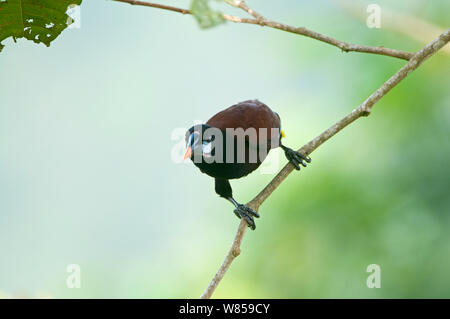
point(233, 143)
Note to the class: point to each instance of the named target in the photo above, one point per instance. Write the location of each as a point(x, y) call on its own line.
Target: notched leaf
point(38, 20)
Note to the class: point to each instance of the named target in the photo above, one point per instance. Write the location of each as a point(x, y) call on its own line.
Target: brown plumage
point(248, 114)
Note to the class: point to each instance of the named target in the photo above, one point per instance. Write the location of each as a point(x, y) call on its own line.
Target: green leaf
point(205, 16)
point(38, 20)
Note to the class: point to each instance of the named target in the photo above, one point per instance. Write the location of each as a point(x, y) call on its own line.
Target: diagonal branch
point(260, 20)
point(415, 60)
point(363, 110)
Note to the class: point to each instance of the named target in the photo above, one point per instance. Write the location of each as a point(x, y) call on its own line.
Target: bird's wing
point(248, 114)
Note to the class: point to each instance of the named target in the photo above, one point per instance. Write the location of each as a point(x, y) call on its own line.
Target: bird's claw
point(243, 211)
point(296, 158)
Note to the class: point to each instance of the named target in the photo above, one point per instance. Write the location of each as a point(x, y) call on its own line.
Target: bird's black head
point(199, 140)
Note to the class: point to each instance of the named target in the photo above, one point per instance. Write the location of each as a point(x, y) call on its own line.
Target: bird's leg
point(295, 158)
point(243, 211)
point(223, 189)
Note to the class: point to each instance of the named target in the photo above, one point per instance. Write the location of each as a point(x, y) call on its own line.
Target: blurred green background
point(87, 177)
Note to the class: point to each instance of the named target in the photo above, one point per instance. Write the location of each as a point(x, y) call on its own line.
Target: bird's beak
point(188, 152)
point(282, 134)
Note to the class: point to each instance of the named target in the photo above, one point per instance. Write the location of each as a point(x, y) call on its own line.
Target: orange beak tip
point(188, 153)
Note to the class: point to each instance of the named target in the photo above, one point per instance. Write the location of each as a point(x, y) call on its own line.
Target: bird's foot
point(243, 211)
point(296, 158)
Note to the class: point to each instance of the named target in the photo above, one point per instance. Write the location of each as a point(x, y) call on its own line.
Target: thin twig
point(260, 20)
point(156, 5)
point(407, 24)
point(242, 5)
point(363, 110)
point(344, 46)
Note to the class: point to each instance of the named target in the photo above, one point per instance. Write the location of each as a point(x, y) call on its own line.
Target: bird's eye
point(206, 147)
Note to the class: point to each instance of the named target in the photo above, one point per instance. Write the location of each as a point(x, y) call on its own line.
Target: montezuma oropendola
point(232, 144)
